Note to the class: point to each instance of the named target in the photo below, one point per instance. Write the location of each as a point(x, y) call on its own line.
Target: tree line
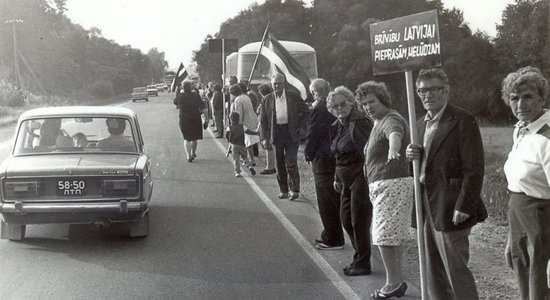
point(58, 57)
point(339, 32)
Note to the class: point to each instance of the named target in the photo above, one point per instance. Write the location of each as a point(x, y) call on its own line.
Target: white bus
point(241, 63)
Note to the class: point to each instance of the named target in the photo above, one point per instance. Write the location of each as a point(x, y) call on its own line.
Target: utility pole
point(18, 81)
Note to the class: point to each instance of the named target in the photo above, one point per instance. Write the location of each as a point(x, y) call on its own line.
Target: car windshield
point(75, 134)
point(139, 89)
point(151, 87)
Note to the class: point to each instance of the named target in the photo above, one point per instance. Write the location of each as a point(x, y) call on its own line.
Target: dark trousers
point(286, 153)
point(447, 255)
point(328, 200)
point(356, 212)
point(529, 222)
point(218, 120)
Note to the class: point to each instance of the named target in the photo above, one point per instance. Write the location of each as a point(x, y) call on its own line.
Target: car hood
point(48, 165)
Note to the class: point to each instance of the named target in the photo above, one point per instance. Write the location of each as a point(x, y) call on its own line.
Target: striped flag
point(295, 75)
point(178, 79)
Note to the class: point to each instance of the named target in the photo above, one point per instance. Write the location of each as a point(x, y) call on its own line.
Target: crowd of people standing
point(361, 153)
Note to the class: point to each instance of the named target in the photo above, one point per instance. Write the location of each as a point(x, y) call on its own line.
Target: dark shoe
point(219, 136)
point(268, 171)
point(353, 271)
point(193, 156)
point(294, 196)
point(283, 195)
point(399, 292)
point(189, 160)
point(323, 246)
point(346, 268)
point(252, 171)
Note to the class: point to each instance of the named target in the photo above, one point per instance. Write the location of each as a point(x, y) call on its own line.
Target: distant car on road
point(152, 90)
point(160, 87)
point(80, 164)
point(140, 93)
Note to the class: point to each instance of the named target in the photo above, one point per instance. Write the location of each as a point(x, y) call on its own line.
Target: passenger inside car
point(49, 132)
point(116, 140)
point(80, 140)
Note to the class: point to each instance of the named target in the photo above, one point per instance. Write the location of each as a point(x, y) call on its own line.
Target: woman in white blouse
point(528, 174)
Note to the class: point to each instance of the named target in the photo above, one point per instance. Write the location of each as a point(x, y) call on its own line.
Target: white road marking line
point(345, 290)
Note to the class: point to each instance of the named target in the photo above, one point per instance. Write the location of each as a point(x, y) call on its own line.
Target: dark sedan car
point(76, 165)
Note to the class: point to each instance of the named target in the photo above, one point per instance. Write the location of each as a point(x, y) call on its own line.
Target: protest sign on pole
point(402, 45)
point(406, 43)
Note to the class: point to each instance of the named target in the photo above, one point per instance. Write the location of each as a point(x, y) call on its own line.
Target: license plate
point(71, 187)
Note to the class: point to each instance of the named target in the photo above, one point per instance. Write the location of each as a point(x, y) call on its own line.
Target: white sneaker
point(238, 175)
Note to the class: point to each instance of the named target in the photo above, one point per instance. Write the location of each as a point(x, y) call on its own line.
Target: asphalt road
point(213, 236)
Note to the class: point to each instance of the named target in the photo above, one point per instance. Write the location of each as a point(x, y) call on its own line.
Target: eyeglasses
point(434, 90)
point(360, 94)
point(340, 106)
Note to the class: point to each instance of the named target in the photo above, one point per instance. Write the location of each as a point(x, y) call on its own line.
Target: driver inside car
point(116, 140)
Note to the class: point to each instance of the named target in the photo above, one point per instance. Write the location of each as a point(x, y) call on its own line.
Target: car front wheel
point(13, 232)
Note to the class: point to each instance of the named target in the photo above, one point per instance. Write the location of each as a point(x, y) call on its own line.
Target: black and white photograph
point(275, 149)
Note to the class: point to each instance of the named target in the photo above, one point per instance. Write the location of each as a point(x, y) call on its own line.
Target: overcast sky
point(178, 27)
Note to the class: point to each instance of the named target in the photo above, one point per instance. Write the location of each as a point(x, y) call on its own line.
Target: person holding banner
point(283, 120)
point(349, 135)
point(390, 186)
point(527, 171)
point(451, 177)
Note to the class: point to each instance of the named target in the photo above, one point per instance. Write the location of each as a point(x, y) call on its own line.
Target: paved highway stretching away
point(213, 236)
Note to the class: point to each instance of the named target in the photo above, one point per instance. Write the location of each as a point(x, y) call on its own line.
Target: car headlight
point(120, 187)
point(21, 189)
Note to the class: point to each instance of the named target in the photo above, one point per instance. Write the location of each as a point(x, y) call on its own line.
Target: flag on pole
point(180, 76)
point(295, 75)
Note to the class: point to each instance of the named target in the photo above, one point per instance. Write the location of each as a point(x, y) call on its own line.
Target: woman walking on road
point(191, 107)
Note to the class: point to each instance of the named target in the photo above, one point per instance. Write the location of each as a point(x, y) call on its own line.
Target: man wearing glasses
point(451, 176)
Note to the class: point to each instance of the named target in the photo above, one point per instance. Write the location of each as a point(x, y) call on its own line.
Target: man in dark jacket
point(217, 107)
point(317, 151)
point(283, 123)
point(451, 176)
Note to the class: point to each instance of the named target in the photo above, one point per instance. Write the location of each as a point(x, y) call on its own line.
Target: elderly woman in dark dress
point(349, 134)
point(527, 171)
point(191, 106)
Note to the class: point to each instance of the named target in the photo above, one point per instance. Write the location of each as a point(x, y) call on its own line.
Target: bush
point(101, 89)
point(12, 97)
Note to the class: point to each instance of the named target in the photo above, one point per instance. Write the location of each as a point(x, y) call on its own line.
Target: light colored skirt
point(251, 139)
point(392, 201)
